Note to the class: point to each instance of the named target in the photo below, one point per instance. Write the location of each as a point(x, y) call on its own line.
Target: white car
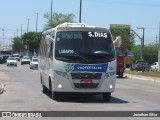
point(154, 66)
point(34, 63)
point(34, 57)
point(17, 56)
point(11, 61)
point(25, 60)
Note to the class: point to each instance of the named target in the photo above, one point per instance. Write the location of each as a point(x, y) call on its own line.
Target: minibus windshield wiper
point(62, 58)
point(98, 56)
point(74, 56)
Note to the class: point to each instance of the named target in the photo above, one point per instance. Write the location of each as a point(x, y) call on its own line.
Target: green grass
point(146, 73)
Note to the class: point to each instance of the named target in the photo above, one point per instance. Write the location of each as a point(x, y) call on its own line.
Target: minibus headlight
point(107, 75)
point(63, 74)
point(110, 74)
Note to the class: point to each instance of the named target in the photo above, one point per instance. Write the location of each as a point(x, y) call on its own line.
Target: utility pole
point(3, 36)
point(10, 41)
point(37, 21)
point(156, 41)
point(17, 33)
point(141, 52)
point(21, 29)
point(51, 11)
point(143, 35)
point(142, 41)
point(27, 25)
point(14, 34)
point(159, 51)
point(80, 11)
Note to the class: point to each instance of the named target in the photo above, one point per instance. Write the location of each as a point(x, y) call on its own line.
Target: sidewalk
point(140, 77)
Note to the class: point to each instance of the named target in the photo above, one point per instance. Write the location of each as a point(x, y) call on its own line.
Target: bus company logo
point(86, 68)
point(6, 114)
point(69, 67)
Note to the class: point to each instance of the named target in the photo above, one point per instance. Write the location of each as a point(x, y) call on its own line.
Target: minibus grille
point(86, 75)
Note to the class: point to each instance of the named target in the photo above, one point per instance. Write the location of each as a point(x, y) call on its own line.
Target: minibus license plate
point(86, 81)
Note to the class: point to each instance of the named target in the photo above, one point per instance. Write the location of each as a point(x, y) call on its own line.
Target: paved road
point(23, 92)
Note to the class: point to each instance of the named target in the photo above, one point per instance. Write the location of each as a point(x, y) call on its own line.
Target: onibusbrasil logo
point(69, 67)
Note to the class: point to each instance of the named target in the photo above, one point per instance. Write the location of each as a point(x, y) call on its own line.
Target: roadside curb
point(143, 78)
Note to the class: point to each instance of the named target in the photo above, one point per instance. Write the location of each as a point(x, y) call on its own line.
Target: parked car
point(11, 61)
point(34, 57)
point(140, 65)
point(34, 63)
point(1, 59)
point(154, 66)
point(4, 58)
point(25, 60)
point(17, 56)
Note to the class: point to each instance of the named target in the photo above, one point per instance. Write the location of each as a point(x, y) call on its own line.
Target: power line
point(152, 28)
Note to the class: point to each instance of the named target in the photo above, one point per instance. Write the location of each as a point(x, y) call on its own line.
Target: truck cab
point(120, 61)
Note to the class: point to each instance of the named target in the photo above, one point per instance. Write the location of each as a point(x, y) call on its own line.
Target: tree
point(150, 52)
point(31, 40)
point(58, 18)
point(17, 46)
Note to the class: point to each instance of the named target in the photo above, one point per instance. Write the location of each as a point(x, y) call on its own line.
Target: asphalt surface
point(23, 92)
point(4, 77)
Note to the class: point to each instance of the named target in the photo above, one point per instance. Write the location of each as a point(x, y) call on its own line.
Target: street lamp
point(142, 43)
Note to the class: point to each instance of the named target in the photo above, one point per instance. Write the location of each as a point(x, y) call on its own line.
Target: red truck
point(120, 57)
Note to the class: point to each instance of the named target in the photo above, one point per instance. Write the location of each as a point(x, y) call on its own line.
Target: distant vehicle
point(140, 65)
point(11, 61)
point(129, 58)
point(17, 56)
point(25, 60)
point(34, 63)
point(120, 56)
point(154, 66)
point(1, 59)
point(34, 57)
point(5, 52)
